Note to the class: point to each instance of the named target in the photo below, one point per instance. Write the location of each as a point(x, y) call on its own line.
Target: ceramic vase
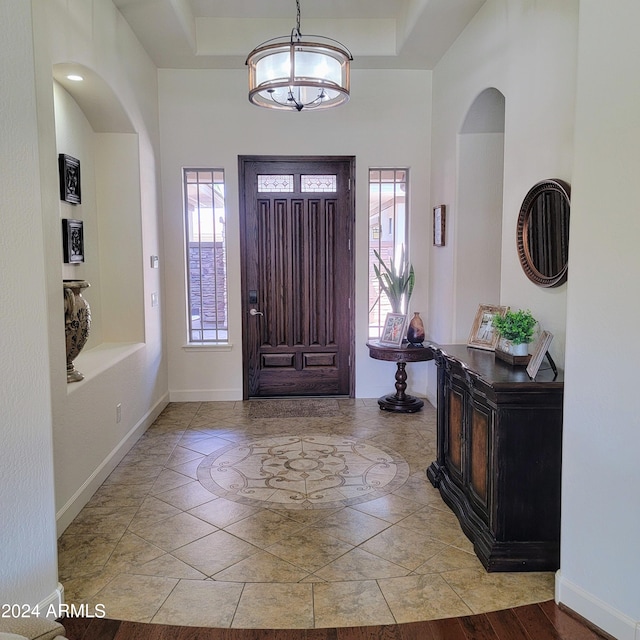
point(415, 332)
point(77, 321)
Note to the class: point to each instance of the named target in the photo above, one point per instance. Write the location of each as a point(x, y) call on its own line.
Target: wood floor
point(543, 621)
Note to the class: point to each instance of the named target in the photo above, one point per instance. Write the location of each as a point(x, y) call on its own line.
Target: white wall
point(524, 48)
point(75, 137)
point(28, 560)
point(601, 472)
point(119, 228)
point(478, 227)
point(87, 439)
point(206, 120)
point(527, 51)
point(509, 45)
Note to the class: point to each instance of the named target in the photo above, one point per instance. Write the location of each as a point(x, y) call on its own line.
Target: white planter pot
point(521, 349)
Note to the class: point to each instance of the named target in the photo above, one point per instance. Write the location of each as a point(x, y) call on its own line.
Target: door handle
point(255, 312)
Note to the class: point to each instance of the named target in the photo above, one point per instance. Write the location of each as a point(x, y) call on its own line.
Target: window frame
point(199, 240)
point(390, 230)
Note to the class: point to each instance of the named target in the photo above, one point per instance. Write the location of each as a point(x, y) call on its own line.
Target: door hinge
point(349, 303)
point(349, 359)
point(349, 185)
point(349, 241)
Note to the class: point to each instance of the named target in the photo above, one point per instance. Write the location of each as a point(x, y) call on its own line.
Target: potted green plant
point(396, 281)
point(517, 328)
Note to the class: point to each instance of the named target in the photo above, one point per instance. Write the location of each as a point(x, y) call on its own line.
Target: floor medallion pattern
point(154, 545)
point(303, 472)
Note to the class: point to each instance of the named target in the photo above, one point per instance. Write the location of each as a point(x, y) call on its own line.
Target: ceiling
point(218, 34)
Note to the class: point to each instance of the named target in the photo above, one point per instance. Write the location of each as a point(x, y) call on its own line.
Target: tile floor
point(194, 526)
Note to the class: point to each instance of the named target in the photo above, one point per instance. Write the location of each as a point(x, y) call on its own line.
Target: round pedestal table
point(407, 352)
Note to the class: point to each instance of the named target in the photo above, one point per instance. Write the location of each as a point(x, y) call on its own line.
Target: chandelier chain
point(298, 16)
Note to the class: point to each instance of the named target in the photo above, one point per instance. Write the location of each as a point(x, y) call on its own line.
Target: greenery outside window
point(387, 234)
point(205, 224)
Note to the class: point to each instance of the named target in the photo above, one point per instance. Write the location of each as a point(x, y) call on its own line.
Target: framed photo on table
point(394, 330)
point(483, 332)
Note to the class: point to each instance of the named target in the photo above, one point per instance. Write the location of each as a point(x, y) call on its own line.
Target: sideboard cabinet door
point(454, 412)
point(480, 448)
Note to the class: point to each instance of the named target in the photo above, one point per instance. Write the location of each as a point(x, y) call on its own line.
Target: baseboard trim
point(205, 395)
point(50, 606)
point(596, 611)
point(235, 395)
point(432, 398)
point(65, 516)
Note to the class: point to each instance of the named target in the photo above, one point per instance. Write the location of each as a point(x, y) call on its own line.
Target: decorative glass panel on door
point(275, 183)
point(318, 184)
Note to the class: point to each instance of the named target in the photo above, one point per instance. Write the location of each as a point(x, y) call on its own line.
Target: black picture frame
point(72, 241)
point(69, 170)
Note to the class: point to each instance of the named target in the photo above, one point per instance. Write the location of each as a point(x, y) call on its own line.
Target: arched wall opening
point(92, 126)
point(479, 204)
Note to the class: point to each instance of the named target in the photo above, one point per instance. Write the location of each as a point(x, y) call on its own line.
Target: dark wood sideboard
point(500, 456)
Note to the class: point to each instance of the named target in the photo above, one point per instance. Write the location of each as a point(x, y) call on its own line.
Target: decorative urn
point(77, 321)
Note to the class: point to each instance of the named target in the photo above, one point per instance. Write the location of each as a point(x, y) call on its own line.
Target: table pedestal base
point(400, 401)
point(409, 404)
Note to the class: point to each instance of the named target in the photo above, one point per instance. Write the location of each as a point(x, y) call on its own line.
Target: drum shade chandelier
point(292, 73)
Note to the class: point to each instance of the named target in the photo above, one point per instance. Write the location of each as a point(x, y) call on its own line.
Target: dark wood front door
point(296, 222)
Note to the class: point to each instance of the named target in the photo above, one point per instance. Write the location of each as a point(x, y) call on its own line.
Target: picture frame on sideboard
point(539, 352)
point(483, 332)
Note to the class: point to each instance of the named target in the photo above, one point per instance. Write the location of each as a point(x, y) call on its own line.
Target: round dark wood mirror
point(543, 233)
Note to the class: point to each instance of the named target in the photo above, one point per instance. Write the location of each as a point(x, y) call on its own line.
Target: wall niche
point(92, 126)
point(479, 208)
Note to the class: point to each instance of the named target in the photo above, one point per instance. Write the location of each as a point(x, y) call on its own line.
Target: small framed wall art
point(72, 241)
point(439, 222)
point(69, 170)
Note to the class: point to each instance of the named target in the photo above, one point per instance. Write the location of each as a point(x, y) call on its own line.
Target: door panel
point(297, 277)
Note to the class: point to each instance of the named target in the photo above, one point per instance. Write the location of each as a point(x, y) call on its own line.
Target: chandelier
point(291, 73)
